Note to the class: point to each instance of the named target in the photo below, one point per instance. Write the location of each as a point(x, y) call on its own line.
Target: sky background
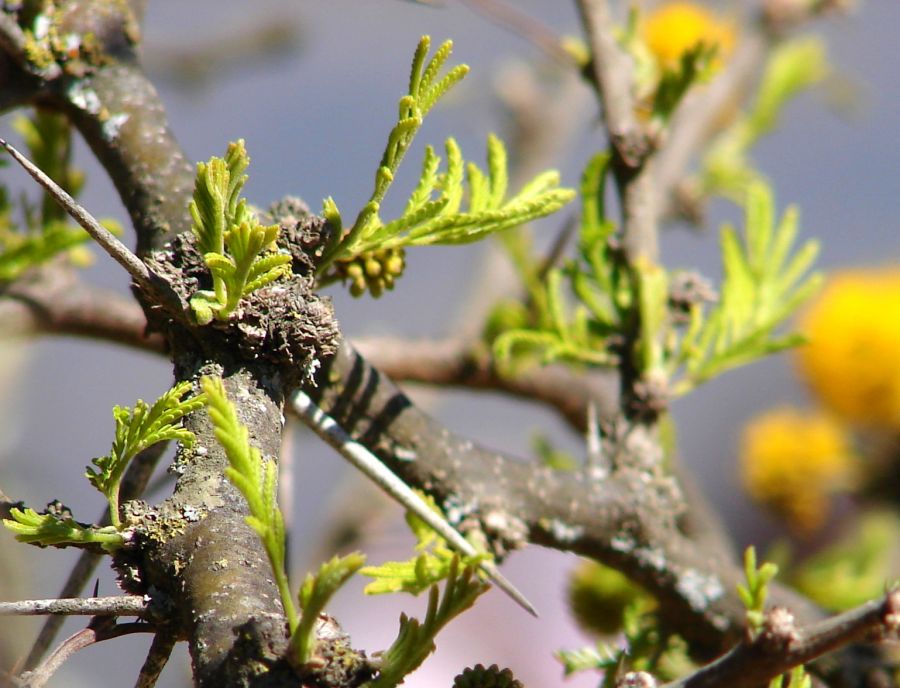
point(315, 118)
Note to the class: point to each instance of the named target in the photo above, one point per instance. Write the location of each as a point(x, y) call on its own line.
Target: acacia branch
point(54, 301)
point(613, 78)
point(463, 363)
point(624, 518)
point(157, 658)
point(133, 484)
point(783, 644)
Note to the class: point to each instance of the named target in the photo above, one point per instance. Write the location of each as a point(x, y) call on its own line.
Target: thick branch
point(625, 518)
point(460, 363)
point(211, 564)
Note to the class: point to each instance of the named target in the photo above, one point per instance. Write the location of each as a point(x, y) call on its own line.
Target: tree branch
point(782, 644)
point(613, 78)
point(133, 483)
point(54, 301)
point(463, 363)
point(625, 518)
point(157, 658)
point(133, 265)
point(366, 462)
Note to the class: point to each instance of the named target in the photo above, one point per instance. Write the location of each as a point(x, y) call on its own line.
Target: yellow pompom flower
point(793, 462)
point(852, 360)
point(676, 27)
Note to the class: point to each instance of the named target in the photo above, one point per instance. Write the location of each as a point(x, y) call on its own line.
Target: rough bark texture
point(194, 551)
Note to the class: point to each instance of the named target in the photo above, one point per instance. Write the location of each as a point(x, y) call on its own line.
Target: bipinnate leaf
point(136, 430)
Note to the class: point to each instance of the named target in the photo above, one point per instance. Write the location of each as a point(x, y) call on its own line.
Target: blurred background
point(312, 87)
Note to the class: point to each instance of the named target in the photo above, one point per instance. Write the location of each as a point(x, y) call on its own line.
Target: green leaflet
point(52, 530)
point(764, 283)
point(314, 595)
point(755, 592)
point(415, 640)
point(239, 251)
point(136, 430)
point(435, 212)
point(432, 564)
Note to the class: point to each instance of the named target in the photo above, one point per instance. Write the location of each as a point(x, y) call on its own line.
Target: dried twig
point(100, 629)
point(510, 17)
point(119, 605)
point(157, 658)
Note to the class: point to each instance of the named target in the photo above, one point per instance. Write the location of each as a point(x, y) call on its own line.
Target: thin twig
point(612, 71)
point(370, 465)
point(699, 116)
point(98, 631)
point(133, 483)
point(118, 251)
point(157, 658)
point(508, 16)
point(613, 78)
point(782, 645)
point(119, 605)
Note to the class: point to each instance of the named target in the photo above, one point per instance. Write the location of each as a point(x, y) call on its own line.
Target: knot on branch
point(335, 662)
point(892, 614)
point(779, 631)
point(637, 679)
point(284, 323)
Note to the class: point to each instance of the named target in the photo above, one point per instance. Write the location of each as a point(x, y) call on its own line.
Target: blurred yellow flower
point(793, 462)
point(675, 27)
point(852, 361)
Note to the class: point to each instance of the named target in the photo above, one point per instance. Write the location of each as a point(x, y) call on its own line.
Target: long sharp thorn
point(358, 455)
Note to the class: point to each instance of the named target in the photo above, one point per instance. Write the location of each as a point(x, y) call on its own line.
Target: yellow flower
point(793, 462)
point(852, 361)
point(675, 27)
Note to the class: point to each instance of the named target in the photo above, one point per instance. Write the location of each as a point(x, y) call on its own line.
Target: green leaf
point(52, 530)
point(434, 212)
point(602, 658)
point(763, 284)
point(237, 249)
point(415, 641)
point(314, 595)
point(257, 481)
point(694, 66)
point(754, 594)
point(138, 429)
point(433, 563)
